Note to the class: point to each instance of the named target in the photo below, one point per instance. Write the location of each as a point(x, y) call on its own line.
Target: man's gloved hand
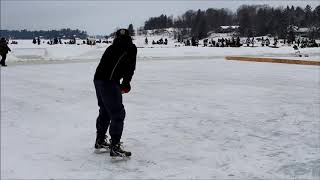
point(125, 87)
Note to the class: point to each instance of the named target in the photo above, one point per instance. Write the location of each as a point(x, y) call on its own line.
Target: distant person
point(213, 43)
point(267, 42)
point(4, 49)
point(238, 42)
point(193, 41)
point(275, 42)
point(263, 42)
point(205, 42)
point(118, 62)
point(188, 42)
point(55, 40)
point(38, 40)
point(248, 41)
point(233, 41)
point(146, 41)
point(252, 41)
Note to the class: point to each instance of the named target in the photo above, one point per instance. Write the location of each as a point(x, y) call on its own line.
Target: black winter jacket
point(117, 63)
point(4, 47)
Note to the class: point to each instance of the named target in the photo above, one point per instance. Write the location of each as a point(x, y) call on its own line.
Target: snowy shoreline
point(26, 51)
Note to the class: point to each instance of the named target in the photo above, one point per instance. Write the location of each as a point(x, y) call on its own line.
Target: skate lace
point(103, 141)
point(119, 147)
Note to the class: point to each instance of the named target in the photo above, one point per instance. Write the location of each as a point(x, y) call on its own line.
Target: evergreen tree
point(202, 29)
point(262, 21)
point(308, 15)
point(131, 30)
point(245, 22)
point(299, 16)
point(195, 28)
point(316, 13)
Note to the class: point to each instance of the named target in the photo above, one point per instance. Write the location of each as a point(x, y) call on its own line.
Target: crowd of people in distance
point(159, 42)
point(53, 41)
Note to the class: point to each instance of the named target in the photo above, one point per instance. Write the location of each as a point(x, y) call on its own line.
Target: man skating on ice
point(4, 49)
point(118, 62)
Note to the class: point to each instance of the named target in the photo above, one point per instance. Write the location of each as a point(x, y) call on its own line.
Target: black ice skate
point(117, 151)
point(101, 145)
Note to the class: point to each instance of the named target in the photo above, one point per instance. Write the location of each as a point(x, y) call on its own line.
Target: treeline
point(262, 20)
point(254, 20)
point(49, 34)
point(159, 22)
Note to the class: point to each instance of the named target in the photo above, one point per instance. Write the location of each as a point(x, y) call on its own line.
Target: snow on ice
point(190, 114)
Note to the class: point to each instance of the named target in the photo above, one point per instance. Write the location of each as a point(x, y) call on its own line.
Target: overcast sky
point(103, 17)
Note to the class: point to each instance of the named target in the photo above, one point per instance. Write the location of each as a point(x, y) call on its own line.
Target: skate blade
point(101, 151)
point(119, 158)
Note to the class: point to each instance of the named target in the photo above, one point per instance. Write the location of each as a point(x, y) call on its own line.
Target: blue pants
point(111, 112)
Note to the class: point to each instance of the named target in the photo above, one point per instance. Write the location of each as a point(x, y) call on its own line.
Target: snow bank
point(25, 51)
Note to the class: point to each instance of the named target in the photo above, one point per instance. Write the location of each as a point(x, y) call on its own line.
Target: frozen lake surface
point(195, 118)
